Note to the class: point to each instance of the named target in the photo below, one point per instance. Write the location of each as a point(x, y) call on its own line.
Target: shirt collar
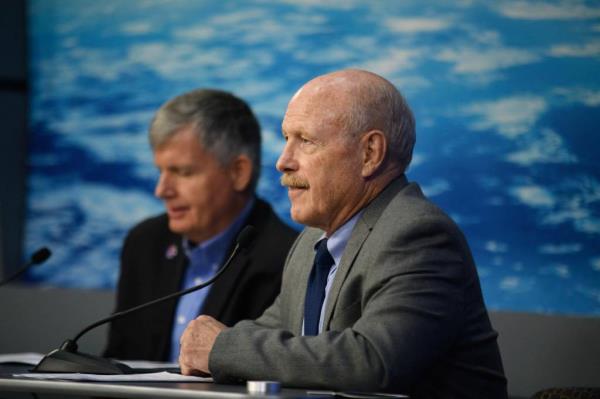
point(220, 243)
point(338, 240)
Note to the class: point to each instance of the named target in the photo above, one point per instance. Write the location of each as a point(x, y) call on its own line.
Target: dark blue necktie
point(315, 292)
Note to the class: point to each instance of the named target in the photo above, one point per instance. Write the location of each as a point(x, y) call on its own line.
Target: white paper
point(32, 359)
point(162, 376)
point(146, 364)
point(29, 358)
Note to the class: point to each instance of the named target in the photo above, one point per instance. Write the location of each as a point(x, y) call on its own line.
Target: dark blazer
point(153, 264)
point(405, 313)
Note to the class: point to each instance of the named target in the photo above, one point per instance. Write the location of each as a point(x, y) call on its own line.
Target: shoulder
point(154, 223)
point(269, 225)
point(414, 237)
point(416, 228)
point(149, 246)
point(410, 209)
point(150, 231)
point(274, 238)
point(410, 221)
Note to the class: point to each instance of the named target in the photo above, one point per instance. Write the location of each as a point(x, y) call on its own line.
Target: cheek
point(198, 195)
point(338, 185)
point(210, 193)
point(322, 194)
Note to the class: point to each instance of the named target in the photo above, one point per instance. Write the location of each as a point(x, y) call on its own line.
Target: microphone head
point(40, 256)
point(246, 236)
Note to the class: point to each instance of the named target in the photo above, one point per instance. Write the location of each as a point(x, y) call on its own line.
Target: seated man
point(206, 145)
point(392, 301)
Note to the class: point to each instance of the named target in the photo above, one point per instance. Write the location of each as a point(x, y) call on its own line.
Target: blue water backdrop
point(506, 97)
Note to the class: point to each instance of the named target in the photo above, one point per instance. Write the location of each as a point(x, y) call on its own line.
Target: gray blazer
point(405, 313)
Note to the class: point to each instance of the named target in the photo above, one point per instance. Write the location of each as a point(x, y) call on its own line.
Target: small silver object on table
point(263, 387)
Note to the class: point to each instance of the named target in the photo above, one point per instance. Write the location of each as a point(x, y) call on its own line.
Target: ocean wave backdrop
point(506, 97)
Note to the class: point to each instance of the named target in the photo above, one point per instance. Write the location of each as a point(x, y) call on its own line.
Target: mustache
point(293, 181)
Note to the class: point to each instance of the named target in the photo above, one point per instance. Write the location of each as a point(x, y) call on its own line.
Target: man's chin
point(301, 217)
point(178, 227)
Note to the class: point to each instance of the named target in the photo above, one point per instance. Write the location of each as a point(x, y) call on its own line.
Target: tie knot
point(323, 258)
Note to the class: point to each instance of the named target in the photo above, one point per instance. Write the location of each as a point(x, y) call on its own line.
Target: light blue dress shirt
point(335, 245)
point(204, 261)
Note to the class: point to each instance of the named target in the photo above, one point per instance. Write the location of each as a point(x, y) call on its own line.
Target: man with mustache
point(392, 300)
point(206, 146)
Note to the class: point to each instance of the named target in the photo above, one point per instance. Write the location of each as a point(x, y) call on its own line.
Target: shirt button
point(180, 319)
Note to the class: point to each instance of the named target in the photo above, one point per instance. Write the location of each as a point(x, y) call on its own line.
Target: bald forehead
point(343, 85)
point(318, 103)
point(352, 98)
point(349, 79)
point(314, 108)
point(324, 93)
point(326, 86)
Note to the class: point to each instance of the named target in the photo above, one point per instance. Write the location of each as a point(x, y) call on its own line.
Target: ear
point(374, 148)
point(240, 172)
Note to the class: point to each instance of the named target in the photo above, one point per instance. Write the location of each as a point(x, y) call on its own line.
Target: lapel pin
point(171, 251)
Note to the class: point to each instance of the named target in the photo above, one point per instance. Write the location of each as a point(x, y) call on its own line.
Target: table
point(11, 387)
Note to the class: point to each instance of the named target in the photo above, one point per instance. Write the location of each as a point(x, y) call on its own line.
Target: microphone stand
point(67, 359)
point(38, 257)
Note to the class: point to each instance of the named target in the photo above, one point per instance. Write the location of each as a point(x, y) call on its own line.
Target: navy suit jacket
point(153, 264)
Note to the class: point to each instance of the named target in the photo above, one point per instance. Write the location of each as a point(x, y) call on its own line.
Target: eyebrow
point(300, 132)
point(176, 167)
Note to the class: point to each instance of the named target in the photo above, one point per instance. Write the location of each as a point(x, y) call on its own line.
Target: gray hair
point(224, 124)
point(379, 105)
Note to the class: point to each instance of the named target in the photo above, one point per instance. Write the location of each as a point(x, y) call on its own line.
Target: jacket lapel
point(359, 235)
point(171, 272)
point(299, 280)
point(168, 281)
point(221, 290)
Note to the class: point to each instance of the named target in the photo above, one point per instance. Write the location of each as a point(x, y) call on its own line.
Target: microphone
point(67, 359)
point(38, 257)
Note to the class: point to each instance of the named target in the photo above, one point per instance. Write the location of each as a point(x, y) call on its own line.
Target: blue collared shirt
point(335, 245)
point(204, 262)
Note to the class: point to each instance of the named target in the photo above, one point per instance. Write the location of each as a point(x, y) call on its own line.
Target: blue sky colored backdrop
point(506, 96)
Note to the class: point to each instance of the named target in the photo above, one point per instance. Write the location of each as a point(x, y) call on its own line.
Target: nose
point(286, 161)
point(164, 187)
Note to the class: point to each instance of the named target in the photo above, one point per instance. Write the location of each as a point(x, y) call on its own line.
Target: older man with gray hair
point(206, 146)
point(380, 292)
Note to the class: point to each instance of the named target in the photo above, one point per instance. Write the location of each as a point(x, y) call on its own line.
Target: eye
point(185, 172)
point(181, 171)
point(304, 140)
